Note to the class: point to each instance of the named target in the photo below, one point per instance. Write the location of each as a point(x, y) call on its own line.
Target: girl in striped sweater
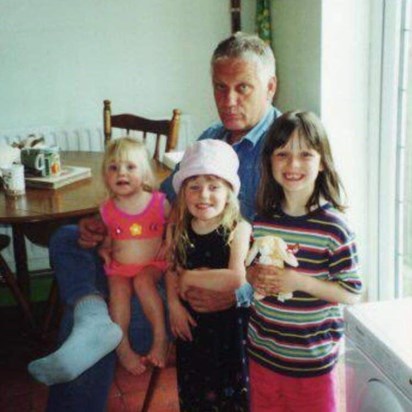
point(293, 345)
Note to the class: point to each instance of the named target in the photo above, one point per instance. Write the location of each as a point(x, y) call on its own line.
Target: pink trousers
point(272, 392)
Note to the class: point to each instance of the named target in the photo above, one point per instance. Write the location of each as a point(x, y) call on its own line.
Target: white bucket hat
point(209, 157)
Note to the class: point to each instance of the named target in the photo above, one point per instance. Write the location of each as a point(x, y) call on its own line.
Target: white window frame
point(387, 136)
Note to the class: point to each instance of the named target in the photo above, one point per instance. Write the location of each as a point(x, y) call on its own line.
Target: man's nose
point(230, 98)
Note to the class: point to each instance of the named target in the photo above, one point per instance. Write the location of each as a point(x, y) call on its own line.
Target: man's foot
point(158, 353)
point(94, 335)
point(131, 361)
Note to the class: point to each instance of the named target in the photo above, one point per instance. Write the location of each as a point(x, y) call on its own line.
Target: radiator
point(83, 138)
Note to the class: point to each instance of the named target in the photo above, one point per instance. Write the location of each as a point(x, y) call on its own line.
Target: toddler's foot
point(158, 353)
point(131, 361)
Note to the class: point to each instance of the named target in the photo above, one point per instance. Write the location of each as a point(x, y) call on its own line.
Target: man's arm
point(203, 300)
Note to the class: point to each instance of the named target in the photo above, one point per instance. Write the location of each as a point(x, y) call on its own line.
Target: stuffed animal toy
point(273, 251)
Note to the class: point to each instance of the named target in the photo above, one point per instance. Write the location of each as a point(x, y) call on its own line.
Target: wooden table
point(36, 214)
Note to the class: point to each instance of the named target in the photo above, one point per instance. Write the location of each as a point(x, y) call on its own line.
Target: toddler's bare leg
point(145, 284)
point(121, 289)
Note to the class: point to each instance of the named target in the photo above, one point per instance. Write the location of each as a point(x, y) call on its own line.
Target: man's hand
point(202, 300)
point(92, 232)
point(257, 275)
point(269, 280)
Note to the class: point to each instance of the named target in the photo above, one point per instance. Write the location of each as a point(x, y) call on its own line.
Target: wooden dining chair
point(169, 128)
point(9, 279)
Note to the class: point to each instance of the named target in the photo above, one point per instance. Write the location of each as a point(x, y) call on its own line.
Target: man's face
point(242, 96)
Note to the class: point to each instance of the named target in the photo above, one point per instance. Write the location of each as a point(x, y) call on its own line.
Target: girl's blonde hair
point(181, 219)
point(128, 148)
point(328, 184)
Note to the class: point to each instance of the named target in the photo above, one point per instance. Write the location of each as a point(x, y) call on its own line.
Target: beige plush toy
point(273, 251)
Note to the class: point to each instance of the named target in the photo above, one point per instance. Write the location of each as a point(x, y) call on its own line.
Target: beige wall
point(296, 26)
point(59, 60)
point(322, 51)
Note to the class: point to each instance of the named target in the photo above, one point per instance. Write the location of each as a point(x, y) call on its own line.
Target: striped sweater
point(300, 337)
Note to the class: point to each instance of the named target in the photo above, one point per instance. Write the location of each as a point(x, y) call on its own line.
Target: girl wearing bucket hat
point(209, 242)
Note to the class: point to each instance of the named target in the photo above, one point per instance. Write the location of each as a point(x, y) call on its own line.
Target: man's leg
point(89, 392)
point(93, 335)
point(80, 273)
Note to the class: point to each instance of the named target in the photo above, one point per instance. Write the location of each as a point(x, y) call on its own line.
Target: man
point(244, 83)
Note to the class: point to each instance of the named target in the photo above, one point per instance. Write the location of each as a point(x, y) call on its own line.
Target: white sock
point(94, 335)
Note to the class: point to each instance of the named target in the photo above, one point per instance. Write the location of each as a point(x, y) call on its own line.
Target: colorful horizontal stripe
point(300, 337)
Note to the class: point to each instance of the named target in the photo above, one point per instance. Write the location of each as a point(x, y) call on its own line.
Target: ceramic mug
point(12, 178)
point(33, 160)
point(52, 161)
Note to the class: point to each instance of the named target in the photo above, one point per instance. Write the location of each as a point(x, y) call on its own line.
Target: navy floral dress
point(212, 369)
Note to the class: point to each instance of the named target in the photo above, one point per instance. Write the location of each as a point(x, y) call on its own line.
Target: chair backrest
point(158, 128)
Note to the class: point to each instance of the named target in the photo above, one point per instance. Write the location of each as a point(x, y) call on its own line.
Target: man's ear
point(272, 87)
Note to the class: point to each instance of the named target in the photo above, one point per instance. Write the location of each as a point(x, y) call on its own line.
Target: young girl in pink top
point(135, 217)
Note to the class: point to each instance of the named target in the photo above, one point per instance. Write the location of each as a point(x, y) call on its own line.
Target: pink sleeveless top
point(146, 225)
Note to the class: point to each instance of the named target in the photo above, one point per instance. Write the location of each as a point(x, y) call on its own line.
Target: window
point(404, 198)
point(391, 176)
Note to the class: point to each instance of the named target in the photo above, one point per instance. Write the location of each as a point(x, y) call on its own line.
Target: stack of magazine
point(68, 175)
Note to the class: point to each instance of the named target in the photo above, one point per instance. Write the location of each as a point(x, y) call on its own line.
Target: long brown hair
point(328, 184)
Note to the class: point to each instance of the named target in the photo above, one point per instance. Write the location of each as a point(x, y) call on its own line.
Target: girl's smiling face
point(206, 197)
point(296, 166)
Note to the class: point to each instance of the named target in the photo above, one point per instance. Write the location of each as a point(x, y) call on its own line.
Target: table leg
point(20, 258)
point(11, 282)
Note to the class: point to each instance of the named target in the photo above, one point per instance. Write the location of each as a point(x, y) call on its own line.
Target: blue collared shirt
point(248, 150)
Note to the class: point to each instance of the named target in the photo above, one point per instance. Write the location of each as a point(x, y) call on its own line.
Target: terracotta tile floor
point(20, 393)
